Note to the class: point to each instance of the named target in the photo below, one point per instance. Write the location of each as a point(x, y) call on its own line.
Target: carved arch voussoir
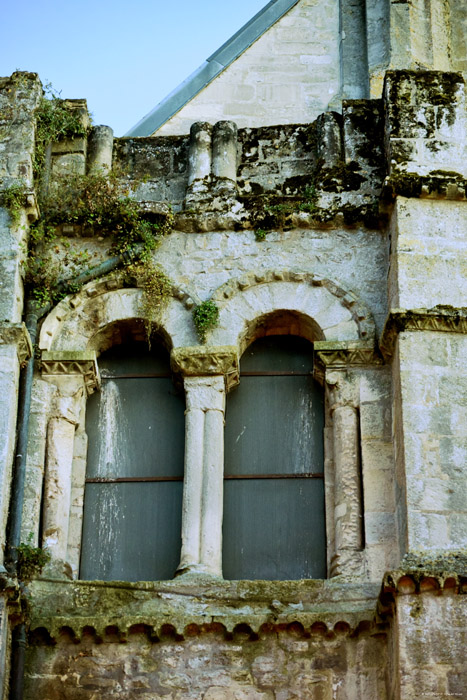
point(76, 321)
point(333, 313)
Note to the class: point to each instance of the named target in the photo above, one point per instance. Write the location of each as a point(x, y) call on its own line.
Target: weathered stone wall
point(433, 415)
point(211, 640)
point(429, 637)
point(278, 665)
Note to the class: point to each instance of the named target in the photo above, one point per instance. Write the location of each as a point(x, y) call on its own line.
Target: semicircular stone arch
point(317, 306)
point(85, 320)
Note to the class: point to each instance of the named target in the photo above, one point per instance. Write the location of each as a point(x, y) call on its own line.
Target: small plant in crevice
point(31, 560)
point(13, 200)
point(205, 318)
point(260, 234)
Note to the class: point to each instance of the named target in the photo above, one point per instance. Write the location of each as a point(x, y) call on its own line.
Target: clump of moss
point(205, 318)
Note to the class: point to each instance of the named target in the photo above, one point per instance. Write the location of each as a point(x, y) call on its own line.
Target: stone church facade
point(311, 187)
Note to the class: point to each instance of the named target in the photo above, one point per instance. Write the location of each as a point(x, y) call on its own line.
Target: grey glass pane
point(136, 427)
point(274, 425)
point(131, 532)
point(134, 358)
point(274, 529)
point(278, 353)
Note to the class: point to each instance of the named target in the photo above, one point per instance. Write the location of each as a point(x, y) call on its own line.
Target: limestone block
point(378, 490)
point(69, 164)
point(429, 246)
point(379, 527)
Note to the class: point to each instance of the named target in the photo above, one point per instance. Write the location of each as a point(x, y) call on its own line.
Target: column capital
point(17, 334)
point(206, 361)
point(330, 355)
point(59, 363)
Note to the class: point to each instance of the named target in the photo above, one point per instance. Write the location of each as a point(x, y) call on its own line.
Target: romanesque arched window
point(274, 520)
point(133, 492)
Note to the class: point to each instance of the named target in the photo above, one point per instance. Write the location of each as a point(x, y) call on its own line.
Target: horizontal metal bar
point(132, 479)
point(135, 376)
point(148, 479)
point(275, 374)
point(307, 475)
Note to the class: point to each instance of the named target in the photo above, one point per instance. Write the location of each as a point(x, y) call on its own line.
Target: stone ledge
point(321, 606)
point(444, 319)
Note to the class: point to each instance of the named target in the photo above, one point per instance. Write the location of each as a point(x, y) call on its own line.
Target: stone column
point(100, 149)
point(204, 474)
point(207, 372)
point(75, 376)
point(224, 152)
point(199, 155)
point(348, 512)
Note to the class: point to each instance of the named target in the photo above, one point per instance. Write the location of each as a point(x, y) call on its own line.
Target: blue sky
point(123, 57)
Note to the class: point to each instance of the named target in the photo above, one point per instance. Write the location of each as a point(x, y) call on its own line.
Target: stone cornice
point(444, 319)
point(205, 361)
point(180, 607)
point(332, 355)
point(415, 582)
point(17, 334)
point(63, 363)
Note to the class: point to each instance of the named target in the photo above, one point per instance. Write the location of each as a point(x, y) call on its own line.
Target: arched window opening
point(133, 493)
point(274, 520)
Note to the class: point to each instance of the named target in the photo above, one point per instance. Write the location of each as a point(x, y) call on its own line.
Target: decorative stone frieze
point(17, 334)
point(203, 361)
point(443, 319)
point(73, 363)
point(331, 355)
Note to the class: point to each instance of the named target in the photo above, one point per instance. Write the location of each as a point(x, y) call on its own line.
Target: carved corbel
point(17, 334)
point(72, 363)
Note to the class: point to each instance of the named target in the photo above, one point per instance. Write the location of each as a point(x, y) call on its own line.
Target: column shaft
point(203, 482)
point(348, 507)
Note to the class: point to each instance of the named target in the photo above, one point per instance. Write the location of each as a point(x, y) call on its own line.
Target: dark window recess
point(133, 496)
point(274, 520)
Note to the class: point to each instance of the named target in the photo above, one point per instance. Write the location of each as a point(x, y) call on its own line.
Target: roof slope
point(212, 67)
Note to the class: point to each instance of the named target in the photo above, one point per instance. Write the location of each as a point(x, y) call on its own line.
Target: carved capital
point(205, 361)
point(63, 363)
point(441, 319)
point(331, 355)
point(17, 334)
